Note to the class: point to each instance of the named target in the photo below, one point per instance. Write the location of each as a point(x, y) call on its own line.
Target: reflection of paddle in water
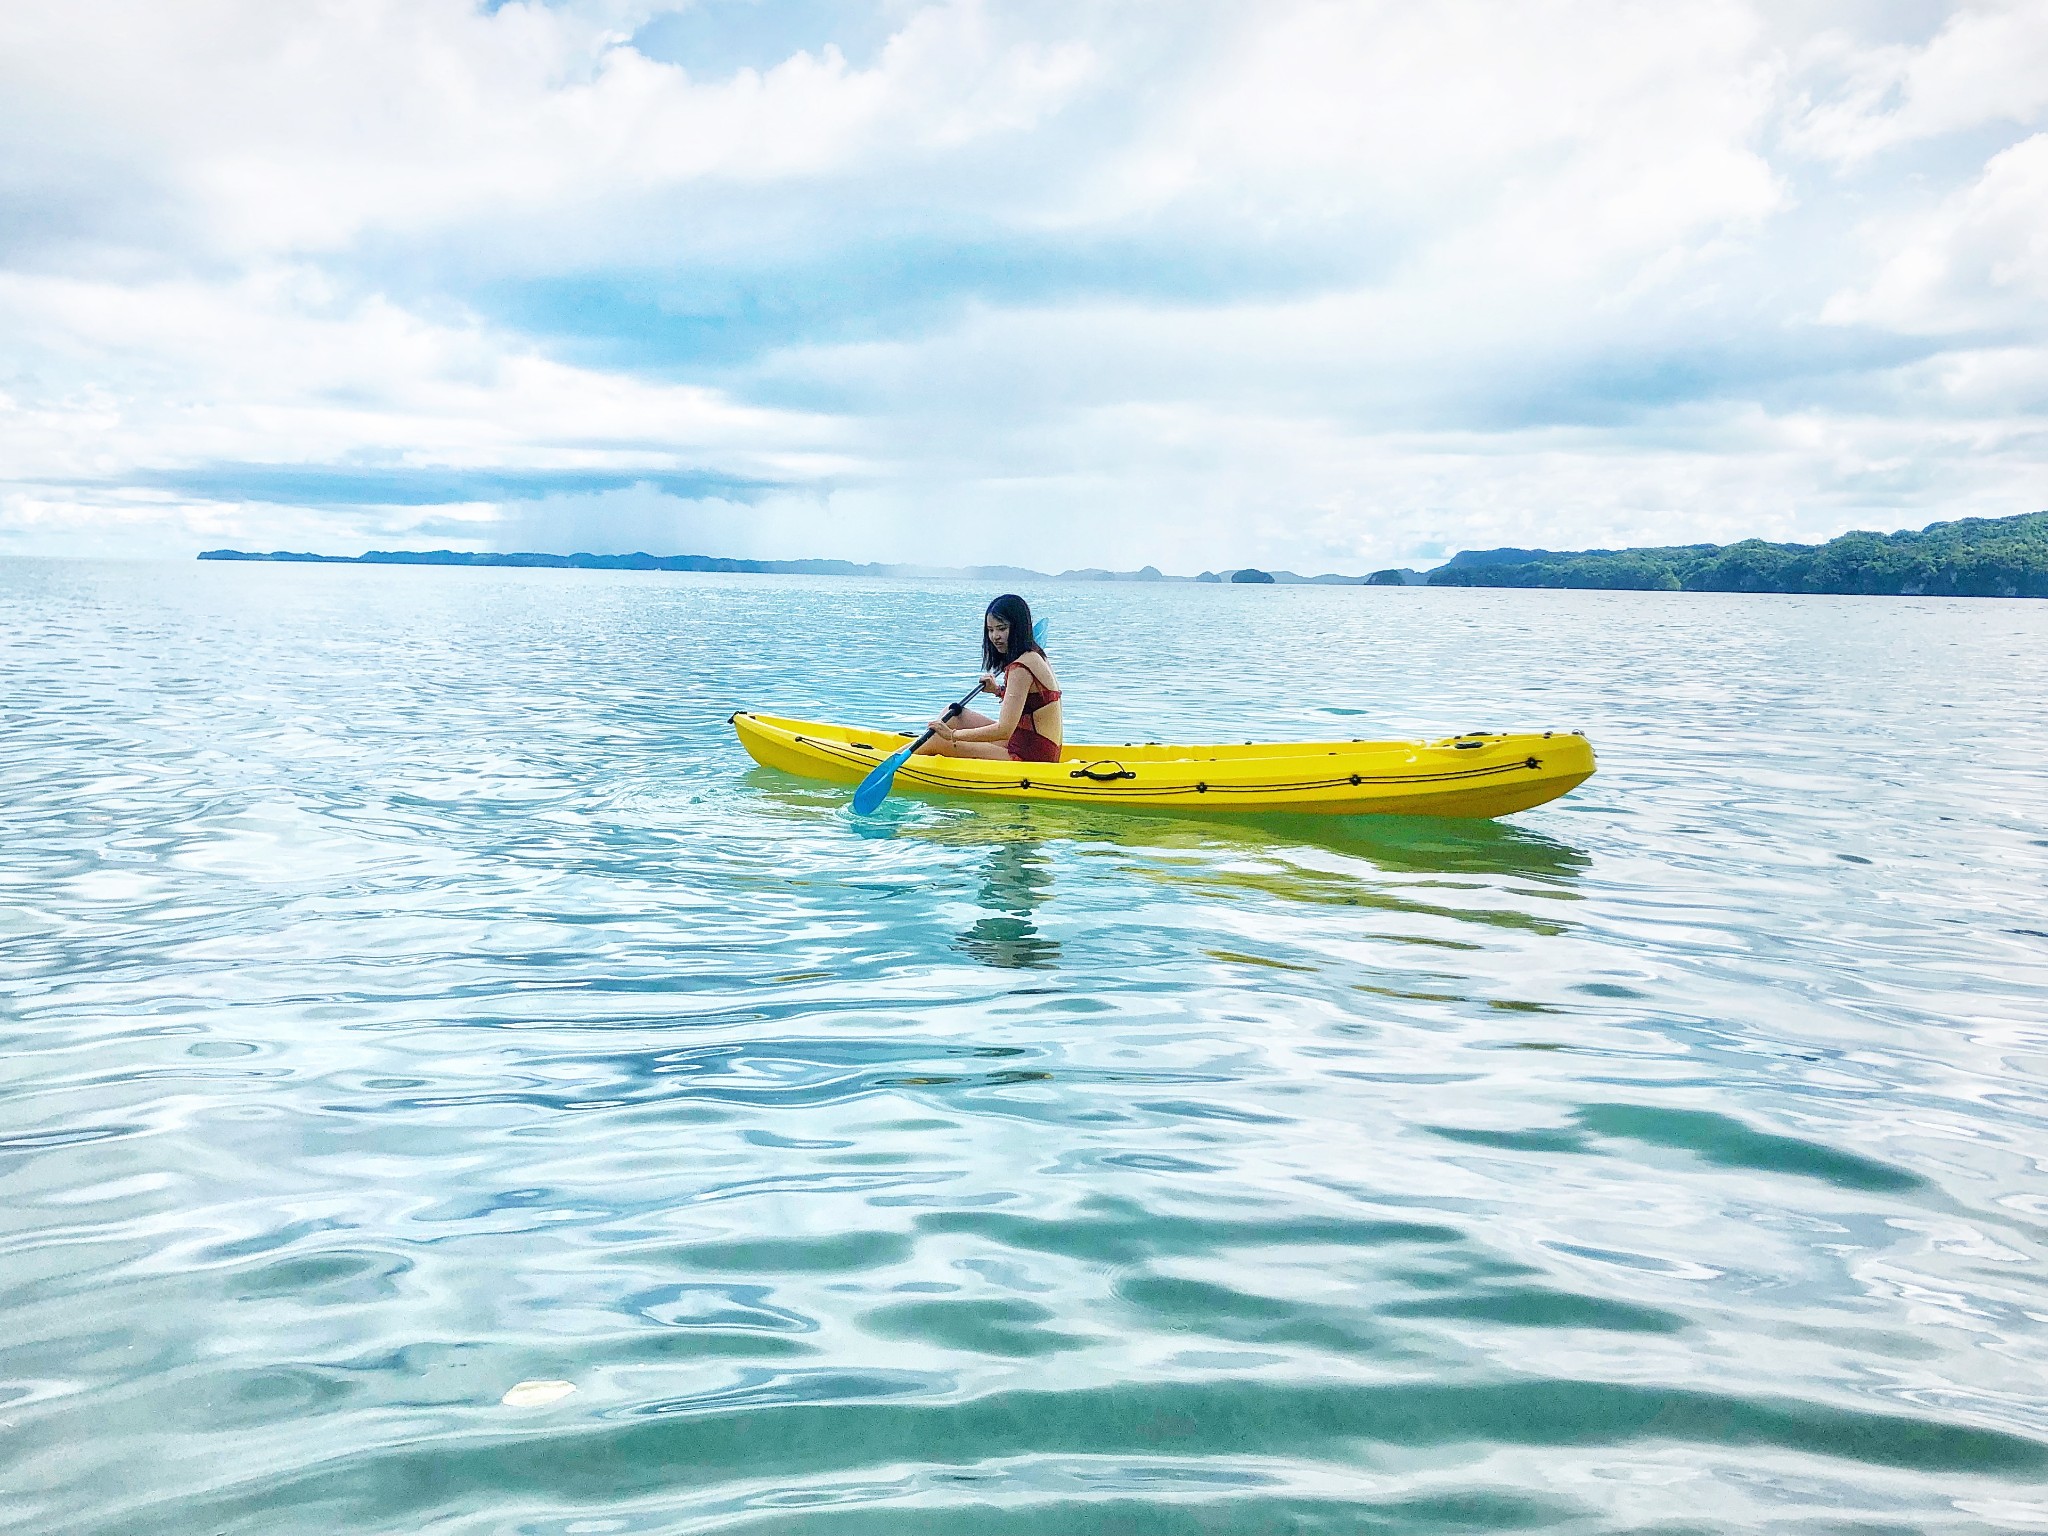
point(1016, 881)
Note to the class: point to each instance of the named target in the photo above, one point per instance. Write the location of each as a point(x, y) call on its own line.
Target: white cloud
point(303, 129)
point(277, 368)
point(1307, 283)
point(1986, 64)
point(1978, 261)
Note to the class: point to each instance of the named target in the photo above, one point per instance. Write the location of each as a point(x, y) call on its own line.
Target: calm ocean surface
point(408, 989)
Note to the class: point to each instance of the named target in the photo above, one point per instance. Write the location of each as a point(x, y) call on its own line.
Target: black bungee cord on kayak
point(1102, 785)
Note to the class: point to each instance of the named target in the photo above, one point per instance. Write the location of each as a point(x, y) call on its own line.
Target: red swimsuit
point(1026, 745)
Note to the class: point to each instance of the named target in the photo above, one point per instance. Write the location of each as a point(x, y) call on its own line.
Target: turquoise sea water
point(409, 990)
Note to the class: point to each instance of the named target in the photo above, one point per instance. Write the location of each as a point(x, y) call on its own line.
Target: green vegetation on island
point(1973, 557)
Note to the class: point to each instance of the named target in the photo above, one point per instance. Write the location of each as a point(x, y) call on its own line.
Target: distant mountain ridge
point(641, 561)
point(1970, 557)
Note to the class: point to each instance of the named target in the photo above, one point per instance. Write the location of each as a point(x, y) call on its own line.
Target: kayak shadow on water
point(1015, 882)
point(1410, 869)
point(1395, 844)
point(1016, 877)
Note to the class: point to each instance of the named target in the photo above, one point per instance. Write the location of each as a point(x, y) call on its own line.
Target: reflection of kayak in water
point(1472, 775)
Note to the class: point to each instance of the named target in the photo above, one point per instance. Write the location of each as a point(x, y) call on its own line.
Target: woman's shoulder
point(1033, 662)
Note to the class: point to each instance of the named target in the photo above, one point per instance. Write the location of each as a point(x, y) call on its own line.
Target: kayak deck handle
point(1102, 773)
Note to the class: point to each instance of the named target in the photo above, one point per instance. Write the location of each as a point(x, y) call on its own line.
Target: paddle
point(874, 789)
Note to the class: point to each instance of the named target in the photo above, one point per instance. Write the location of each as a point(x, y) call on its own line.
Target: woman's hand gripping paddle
point(874, 789)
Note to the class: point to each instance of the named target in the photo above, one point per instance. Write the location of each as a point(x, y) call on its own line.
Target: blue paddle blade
point(874, 789)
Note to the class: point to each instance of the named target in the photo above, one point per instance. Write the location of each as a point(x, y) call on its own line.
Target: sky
point(1327, 285)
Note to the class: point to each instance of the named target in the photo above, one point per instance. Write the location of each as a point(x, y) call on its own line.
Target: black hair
point(1017, 613)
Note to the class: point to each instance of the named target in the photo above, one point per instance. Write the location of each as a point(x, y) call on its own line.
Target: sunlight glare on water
point(444, 1085)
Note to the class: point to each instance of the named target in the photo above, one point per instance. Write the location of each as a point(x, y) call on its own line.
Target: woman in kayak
point(1029, 728)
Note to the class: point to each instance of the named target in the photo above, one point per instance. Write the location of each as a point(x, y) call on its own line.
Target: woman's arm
point(1004, 726)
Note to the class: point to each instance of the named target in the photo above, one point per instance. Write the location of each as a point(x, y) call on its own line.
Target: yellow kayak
point(1478, 774)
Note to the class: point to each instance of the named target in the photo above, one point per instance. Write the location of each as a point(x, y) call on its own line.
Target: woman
point(1029, 729)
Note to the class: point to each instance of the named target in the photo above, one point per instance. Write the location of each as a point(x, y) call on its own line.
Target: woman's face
point(999, 634)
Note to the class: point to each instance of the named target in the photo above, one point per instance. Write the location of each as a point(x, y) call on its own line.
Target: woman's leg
point(967, 718)
point(990, 749)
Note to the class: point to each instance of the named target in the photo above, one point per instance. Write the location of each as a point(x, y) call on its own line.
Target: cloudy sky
point(1325, 284)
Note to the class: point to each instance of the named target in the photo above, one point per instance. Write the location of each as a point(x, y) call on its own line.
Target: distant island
point(646, 562)
point(720, 563)
point(1973, 557)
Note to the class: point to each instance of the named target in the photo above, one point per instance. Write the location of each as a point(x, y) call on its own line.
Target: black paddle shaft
point(951, 711)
